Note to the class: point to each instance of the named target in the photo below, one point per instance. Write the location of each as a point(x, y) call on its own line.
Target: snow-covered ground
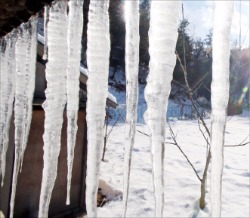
point(182, 188)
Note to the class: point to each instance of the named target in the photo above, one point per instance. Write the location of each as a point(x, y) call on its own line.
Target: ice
point(75, 26)
point(219, 96)
point(7, 70)
point(132, 67)
point(56, 72)
point(85, 72)
point(162, 42)
point(24, 90)
point(45, 33)
point(97, 87)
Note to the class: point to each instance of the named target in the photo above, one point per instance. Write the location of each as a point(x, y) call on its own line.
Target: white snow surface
point(223, 16)
point(182, 188)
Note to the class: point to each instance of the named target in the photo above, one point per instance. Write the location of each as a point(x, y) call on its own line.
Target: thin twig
point(175, 143)
point(190, 94)
point(142, 132)
point(239, 145)
point(203, 134)
point(243, 143)
point(112, 127)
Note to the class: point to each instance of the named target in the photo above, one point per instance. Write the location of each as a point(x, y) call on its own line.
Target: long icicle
point(97, 87)
point(162, 42)
point(132, 65)
point(75, 26)
point(56, 70)
point(25, 84)
point(7, 86)
point(219, 96)
point(30, 80)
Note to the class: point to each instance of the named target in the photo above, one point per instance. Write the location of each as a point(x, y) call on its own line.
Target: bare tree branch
point(191, 95)
point(175, 143)
point(143, 133)
point(239, 145)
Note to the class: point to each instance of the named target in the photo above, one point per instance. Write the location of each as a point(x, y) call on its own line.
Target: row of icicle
point(18, 66)
point(63, 36)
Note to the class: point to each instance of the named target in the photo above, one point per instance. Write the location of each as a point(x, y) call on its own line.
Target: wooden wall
point(29, 180)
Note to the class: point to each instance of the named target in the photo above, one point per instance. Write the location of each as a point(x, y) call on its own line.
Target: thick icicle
point(132, 64)
point(219, 96)
point(164, 17)
point(97, 87)
point(75, 26)
point(24, 90)
point(7, 86)
point(54, 105)
point(45, 32)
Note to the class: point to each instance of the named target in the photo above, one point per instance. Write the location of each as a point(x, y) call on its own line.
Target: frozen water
point(7, 70)
point(132, 68)
point(162, 42)
point(45, 33)
point(97, 87)
point(75, 25)
point(24, 90)
point(56, 72)
point(219, 96)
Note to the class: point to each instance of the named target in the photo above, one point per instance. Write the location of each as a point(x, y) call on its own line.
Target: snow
point(75, 25)
point(112, 98)
point(223, 15)
point(182, 188)
point(97, 87)
point(84, 71)
point(162, 43)
point(56, 70)
point(40, 39)
point(132, 68)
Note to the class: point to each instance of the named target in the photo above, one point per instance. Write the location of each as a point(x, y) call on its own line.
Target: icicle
point(164, 17)
point(219, 96)
point(45, 32)
point(24, 90)
point(75, 26)
point(54, 105)
point(7, 87)
point(97, 86)
point(132, 65)
point(31, 54)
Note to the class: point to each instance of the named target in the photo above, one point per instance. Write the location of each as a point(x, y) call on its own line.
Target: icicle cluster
point(75, 26)
point(25, 54)
point(219, 96)
point(54, 105)
point(164, 18)
point(7, 86)
point(97, 87)
point(132, 64)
